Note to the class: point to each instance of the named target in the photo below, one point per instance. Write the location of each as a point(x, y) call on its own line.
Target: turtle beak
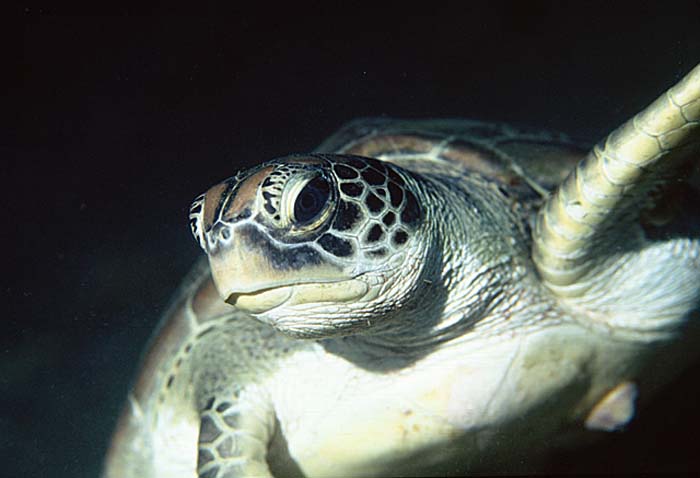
point(243, 275)
point(253, 274)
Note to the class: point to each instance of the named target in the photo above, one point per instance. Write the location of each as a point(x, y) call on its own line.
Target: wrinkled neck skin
point(477, 279)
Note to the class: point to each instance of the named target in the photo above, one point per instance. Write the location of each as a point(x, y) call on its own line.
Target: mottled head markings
point(346, 208)
point(196, 213)
point(377, 208)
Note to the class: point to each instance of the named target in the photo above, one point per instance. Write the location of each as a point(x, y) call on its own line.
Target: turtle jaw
point(260, 301)
point(303, 294)
point(295, 294)
point(254, 273)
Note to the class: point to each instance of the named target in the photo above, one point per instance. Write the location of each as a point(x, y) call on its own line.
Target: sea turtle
point(422, 297)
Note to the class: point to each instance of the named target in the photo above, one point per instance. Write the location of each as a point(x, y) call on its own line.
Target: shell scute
point(515, 158)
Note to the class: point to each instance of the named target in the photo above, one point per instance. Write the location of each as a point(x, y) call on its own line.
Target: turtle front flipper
point(589, 246)
point(233, 440)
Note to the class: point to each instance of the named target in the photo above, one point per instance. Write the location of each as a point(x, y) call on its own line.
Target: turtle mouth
point(265, 299)
point(260, 300)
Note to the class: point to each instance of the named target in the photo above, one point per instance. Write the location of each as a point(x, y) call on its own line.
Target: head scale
point(312, 235)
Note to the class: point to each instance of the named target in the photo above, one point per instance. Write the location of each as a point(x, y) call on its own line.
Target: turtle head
point(315, 245)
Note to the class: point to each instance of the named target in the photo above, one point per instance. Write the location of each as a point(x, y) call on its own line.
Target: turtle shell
point(523, 161)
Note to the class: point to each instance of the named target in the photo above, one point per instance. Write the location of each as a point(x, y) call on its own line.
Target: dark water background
point(123, 120)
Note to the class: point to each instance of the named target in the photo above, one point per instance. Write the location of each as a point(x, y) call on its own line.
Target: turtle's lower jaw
point(331, 293)
point(260, 301)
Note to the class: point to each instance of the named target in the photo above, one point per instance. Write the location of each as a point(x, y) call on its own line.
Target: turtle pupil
point(311, 200)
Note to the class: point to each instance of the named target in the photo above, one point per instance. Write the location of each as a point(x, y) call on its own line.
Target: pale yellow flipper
point(572, 226)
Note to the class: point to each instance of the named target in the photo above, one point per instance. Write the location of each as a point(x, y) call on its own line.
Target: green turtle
point(425, 297)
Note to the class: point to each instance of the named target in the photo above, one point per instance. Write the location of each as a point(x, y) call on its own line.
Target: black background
point(116, 123)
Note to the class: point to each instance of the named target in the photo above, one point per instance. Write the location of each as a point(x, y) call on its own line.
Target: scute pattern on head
point(272, 189)
point(373, 208)
point(195, 219)
point(375, 205)
point(221, 204)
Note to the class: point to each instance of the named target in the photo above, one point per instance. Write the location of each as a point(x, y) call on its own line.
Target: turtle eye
point(311, 200)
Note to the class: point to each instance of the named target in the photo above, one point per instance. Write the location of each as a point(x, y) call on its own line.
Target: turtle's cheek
point(252, 267)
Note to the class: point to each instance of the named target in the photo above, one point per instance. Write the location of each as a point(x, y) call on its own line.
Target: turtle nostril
point(221, 231)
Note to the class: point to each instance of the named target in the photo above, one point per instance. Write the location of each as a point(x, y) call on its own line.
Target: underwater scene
point(438, 312)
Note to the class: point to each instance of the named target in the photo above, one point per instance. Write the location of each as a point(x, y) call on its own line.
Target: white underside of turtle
point(426, 297)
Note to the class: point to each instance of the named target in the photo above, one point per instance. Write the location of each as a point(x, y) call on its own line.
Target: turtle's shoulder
point(202, 348)
point(507, 154)
point(198, 332)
